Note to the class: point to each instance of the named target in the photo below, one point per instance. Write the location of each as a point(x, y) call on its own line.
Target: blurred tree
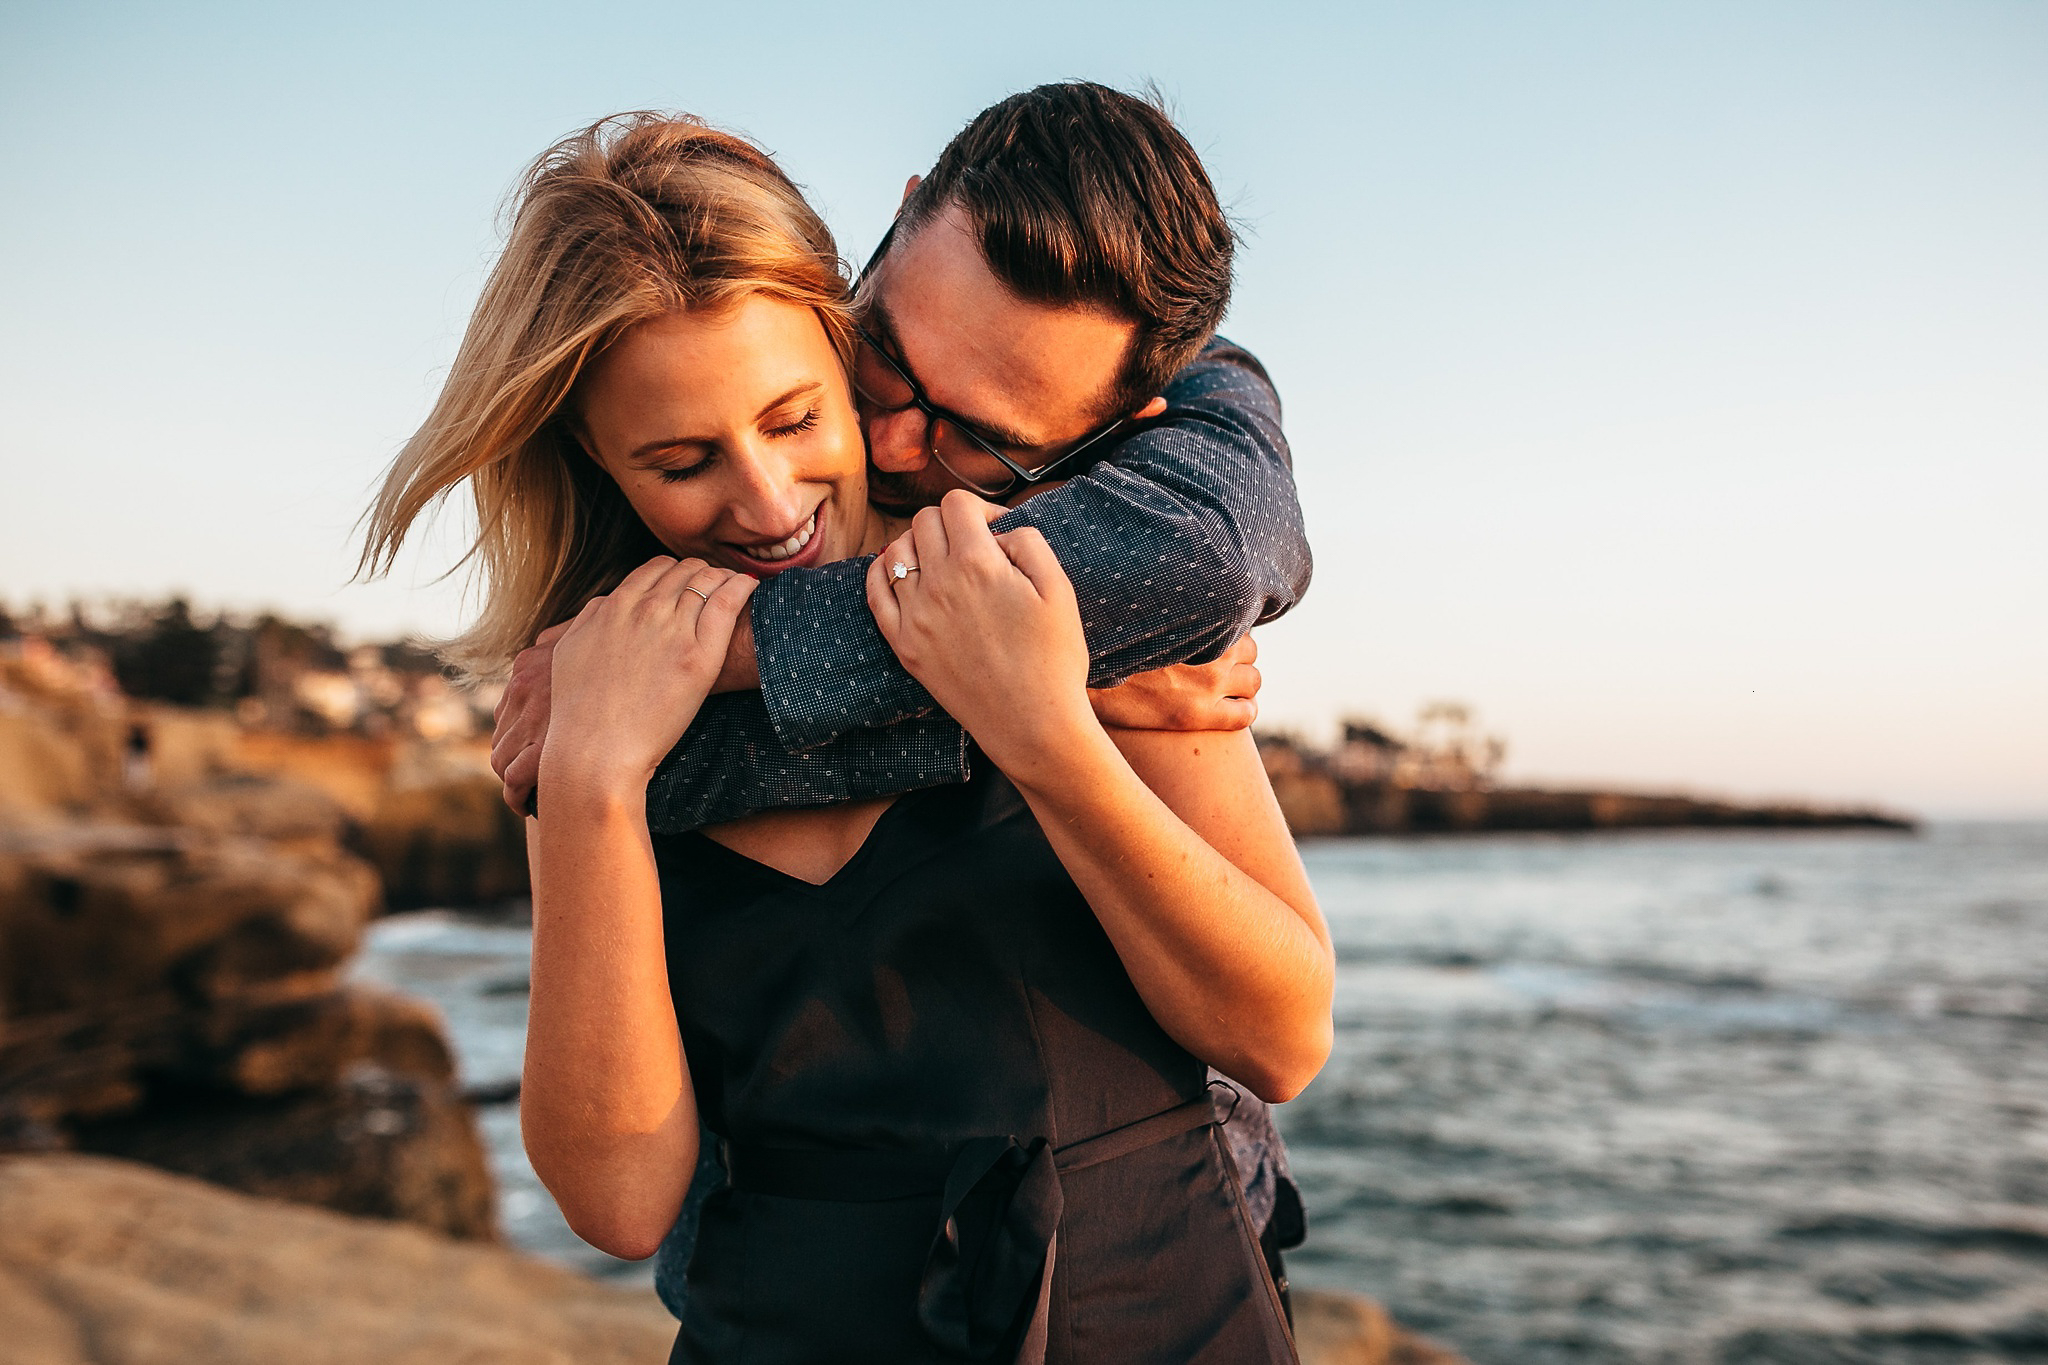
point(168, 657)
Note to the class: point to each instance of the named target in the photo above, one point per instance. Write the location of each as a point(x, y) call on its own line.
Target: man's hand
point(521, 720)
point(1215, 696)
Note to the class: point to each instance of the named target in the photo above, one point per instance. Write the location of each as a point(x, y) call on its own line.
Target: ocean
point(1680, 1098)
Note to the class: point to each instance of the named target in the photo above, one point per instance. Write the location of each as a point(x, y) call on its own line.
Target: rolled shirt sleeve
point(1186, 536)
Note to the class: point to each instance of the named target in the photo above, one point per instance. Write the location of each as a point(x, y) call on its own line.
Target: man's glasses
point(887, 384)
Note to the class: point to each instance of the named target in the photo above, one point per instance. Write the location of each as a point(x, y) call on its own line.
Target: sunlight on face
point(733, 435)
point(1029, 376)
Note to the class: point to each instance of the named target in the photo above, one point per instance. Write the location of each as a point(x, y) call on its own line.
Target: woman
point(954, 1043)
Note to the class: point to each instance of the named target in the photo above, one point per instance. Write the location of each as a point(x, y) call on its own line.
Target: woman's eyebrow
point(804, 389)
point(660, 445)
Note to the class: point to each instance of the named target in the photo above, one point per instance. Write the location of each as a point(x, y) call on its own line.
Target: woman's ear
point(909, 188)
point(572, 427)
point(1149, 411)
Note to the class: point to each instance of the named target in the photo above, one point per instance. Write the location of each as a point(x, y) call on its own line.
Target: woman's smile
point(733, 435)
point(801, 549)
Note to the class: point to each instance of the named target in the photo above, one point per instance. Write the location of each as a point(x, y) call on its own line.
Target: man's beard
point(898, 495)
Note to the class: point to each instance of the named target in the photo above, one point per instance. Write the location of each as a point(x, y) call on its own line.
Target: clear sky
point(1669, 381)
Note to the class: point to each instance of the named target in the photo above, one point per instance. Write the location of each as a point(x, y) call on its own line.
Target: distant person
point(1001, 305)
point(953, 1045)
point(137, 772)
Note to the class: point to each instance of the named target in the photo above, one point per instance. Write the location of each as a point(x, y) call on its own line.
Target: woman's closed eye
point(801, 424)
point(681, 473)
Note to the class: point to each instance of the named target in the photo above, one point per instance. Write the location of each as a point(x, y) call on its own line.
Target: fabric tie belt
point(985, 1289)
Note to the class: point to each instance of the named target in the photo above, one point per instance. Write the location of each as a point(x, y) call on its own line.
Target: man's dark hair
point(1083, 194)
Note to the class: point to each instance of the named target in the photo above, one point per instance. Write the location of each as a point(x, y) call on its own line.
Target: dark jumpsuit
point(954, 1130)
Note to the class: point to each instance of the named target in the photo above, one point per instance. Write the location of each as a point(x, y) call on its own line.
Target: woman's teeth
point(784, 549)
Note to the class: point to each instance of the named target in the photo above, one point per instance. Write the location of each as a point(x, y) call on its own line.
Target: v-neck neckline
point(854, 862)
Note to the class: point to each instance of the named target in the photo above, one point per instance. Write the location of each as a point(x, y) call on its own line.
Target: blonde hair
point(636, 216)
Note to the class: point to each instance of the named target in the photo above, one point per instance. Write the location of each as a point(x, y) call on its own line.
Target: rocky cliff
point(107, 1263)
point(1324, 794)
point(171, 949)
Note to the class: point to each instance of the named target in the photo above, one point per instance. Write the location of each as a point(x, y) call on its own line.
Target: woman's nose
point(768, 499)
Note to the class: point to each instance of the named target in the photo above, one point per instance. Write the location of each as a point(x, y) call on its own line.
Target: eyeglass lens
point(966, 461)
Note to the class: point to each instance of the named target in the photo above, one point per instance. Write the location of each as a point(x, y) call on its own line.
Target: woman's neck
point(881, 528)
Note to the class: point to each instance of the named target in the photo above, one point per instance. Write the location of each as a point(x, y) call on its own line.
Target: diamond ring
point(900, 571)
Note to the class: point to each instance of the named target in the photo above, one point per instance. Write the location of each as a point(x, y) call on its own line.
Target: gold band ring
point(900, 571)
point(699, 591)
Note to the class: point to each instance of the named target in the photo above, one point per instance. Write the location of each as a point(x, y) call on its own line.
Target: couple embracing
point(905, 878)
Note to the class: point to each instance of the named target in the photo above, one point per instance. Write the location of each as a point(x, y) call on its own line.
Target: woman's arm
point(606, 1108)
point(1226, 946)
point(1215, 784)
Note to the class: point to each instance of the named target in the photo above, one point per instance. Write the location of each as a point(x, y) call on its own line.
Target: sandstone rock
point(1311, 802)
point(355, 770)
point(287, 814)
point(93, 918)
point(1332, 1328)
point(449, 841)
point(343, 1097)
point(186, 745)
point(106, 1263)
point(311, 1042)
point(58, 759)
point(171, 930)
point(379, 1145)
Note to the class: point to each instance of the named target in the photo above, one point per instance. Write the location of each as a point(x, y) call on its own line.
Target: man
point(1043, 308)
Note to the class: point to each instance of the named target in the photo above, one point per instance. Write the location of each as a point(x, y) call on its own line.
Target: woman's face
point(733, 435)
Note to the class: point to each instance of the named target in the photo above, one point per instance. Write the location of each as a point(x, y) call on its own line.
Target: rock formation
point(1326, 794)
point(108, 1263)
point(427, 817)
point(171, 945)
point(1332, 1328)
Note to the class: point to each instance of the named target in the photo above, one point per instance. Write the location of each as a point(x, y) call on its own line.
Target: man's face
point(1029, 377)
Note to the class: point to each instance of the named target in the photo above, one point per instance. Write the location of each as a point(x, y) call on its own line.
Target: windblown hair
point(1081, 194)
point(634, 217)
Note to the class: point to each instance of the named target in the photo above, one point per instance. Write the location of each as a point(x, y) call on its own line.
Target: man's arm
point(1185, 537)
point(734, 763)
point(730, 763)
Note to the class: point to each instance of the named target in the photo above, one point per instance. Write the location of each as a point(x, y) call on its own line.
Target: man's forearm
point(1189, 535)
point(730, 763)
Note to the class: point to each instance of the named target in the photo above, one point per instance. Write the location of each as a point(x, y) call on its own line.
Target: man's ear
point(910, 188)
point(1149, 411)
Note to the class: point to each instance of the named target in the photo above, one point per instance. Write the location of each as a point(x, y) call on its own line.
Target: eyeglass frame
point(934, 414)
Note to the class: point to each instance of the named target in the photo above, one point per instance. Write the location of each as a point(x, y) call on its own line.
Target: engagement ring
point(899, 572)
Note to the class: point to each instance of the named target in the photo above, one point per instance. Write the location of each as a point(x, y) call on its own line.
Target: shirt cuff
point(825, 668)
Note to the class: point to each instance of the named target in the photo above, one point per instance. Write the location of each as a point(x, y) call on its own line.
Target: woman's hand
point(632, 669)
point(989, 625)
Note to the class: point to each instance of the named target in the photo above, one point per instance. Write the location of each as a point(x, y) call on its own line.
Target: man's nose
point(897, 441)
